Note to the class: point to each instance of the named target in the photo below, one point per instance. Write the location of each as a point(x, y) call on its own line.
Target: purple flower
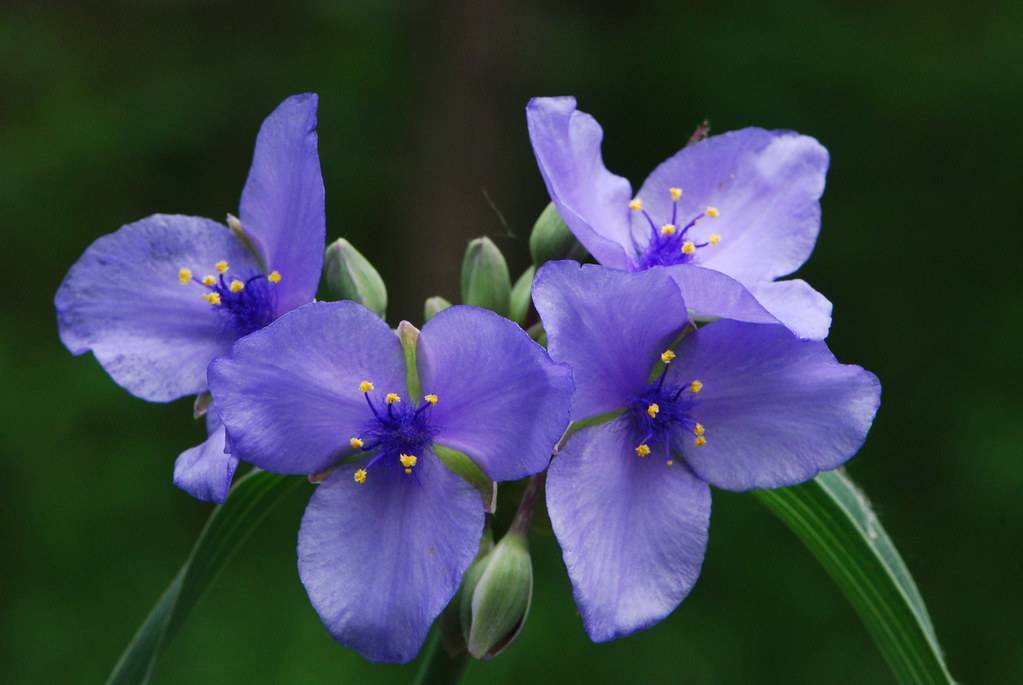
point(159, 299)
point(734, 404)
point(388, 534)
point(745, 204)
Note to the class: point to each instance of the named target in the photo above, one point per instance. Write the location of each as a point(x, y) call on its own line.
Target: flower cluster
point(676, 363)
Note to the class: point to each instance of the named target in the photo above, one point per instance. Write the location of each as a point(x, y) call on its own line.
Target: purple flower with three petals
point(159, 299)
point(389, 533)
point(745, 204)
point(733, 404)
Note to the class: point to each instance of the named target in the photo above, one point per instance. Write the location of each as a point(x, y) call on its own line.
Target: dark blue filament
point(247, 310)
point(396, 429)
point(673, 421)
point(666, 250)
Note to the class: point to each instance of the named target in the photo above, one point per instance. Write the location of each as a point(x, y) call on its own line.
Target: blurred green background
point(113, 111)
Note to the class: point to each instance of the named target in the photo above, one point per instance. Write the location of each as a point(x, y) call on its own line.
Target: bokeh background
point(113, 111)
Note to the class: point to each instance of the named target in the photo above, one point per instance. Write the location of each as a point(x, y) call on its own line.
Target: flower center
point(245, 299)
point(397, 432)
point(670, 243)
point(663, 414)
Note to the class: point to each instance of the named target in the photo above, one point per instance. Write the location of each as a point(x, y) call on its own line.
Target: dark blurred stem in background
point(438, 667)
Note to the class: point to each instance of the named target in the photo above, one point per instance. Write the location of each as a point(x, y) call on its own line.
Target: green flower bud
point(434, 306)
point(521, 296)
point(552, 240)
point(495, 597)
point(485, 279)
point(349, 276)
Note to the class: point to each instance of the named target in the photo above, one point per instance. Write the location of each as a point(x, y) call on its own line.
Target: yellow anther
point(688, 247)
point(360, 476)
point(714, 239)
point(237, 286)
point(668, 229)
point(209, 280)
point(698, 429)
point(432, 399)
point(636, 205)
point(408, 461)
point(676, 193)
point(356, 443)
point(669, 462)
point(274, 277)
point(667, 356)
point(712, 212)
point(700, 441)
point(391, 398)
point(221, 266)
point(365, 386)
point(212, 298)
point(184, 275)
point(695, 387)
point(652, 410)
point(642, 450)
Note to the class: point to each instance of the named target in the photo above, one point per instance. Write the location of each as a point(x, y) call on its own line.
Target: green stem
point(438, 667)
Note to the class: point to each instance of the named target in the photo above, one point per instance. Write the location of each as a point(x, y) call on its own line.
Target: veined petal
point(609, 326)
point(777, 410)
point(206, 470)
point(802, 309)
point(282, 205)
point(289, 393)
point(382, 558)
point(712, 294)
point(591, 200)
point(124, 301)
point(767, 187)
point(633, 531)
point(501, 399)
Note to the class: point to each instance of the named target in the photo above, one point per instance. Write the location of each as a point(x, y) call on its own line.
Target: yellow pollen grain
point(652, 410)
point(695, 387)
point(212, 298)
point(667, 356)
point(636, 205)
point(432, 399)
point(668, 229)
point(365, 386)
point(391, 398)
point(714, 239)
point(360, 476)
point(700, 441)
point(642, 450)
point(237, 286)
point(698, 429)
point(221, 266)
point(688, 247)
point(274, 277)
point(356, 443)
point(676, 193)
point(712, 212)
point(669, 462)
point(184, 275)
point(209, 280)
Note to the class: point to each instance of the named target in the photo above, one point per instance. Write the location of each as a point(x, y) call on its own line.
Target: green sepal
point(521, 296)
point(485, 279)
point(348, 275)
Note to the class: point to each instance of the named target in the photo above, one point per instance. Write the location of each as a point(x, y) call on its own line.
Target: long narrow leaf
point(834, 520)
point(228, 527)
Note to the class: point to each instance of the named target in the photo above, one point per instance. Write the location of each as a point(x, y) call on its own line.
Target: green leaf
point(834, 520)
point(231, 523)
